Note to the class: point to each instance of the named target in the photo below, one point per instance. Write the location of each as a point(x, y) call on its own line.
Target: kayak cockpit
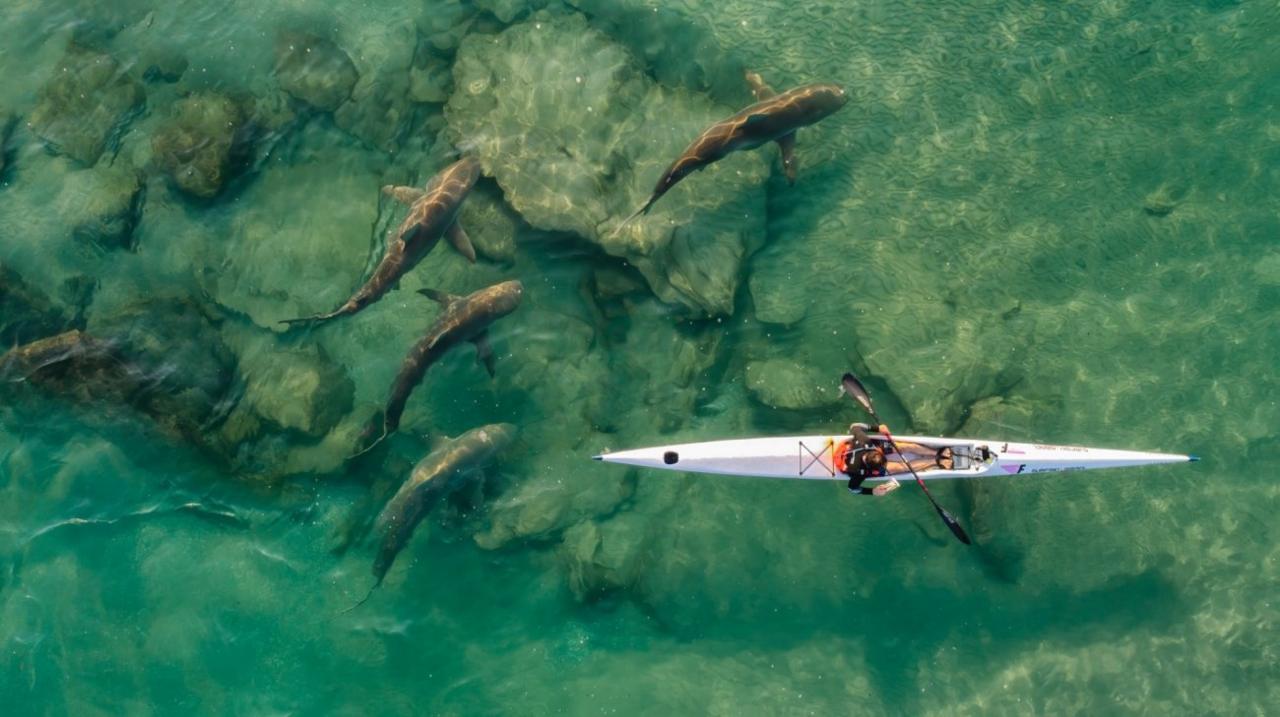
point(967, 458)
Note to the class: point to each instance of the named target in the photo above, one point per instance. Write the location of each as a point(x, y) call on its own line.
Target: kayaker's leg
point(897, 467)
point(915, 450)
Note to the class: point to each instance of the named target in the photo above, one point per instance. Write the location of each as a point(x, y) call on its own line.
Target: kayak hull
point(815, 457)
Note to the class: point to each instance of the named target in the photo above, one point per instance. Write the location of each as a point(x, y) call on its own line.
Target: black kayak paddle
point(854, 388)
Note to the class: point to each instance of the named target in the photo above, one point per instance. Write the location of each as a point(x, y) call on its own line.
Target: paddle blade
point(954, 525)
point(857, 392)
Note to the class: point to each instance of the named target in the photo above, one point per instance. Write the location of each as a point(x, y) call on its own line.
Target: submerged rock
point(162, 65)
point(299, 389)
point(660, 33)
point(576, 135)
point(7, 122)
point(85, 105)
point(600, 559)
point(183, 375)
point(183, 385)
point(430, 83)
point(554, 492)
point(379, 109)
point(507, 11)
point(1162, 201)
point(204, 143)
point(672, 384)
point(25, 312)
point(442, 29)
point(491, 224)
point(72, 363)
point(1002, 415)
point(302, 239)
point(543, 506)
point(104, 205)
point(784, 383)
point(314, 70)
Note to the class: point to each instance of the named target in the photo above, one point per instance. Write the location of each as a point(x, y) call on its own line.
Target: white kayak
point(818, 457)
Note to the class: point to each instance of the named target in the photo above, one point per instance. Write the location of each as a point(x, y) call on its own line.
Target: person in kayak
point(861, 458)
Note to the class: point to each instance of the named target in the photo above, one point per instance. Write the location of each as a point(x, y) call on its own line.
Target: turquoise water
point(1046, 222)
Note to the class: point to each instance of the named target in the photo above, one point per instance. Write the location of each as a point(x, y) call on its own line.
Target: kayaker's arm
point(859, 464)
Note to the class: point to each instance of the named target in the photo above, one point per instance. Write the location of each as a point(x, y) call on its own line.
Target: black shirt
point(855, 460)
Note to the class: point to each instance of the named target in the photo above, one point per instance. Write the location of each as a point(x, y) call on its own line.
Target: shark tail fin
point(318, 318)
point(364, 599)
point(634, 215)
point(377, 426)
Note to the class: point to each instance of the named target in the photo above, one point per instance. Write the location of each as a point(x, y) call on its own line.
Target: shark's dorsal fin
point(484, 352)
point(437, 441)
point(444, 298)
point(404, 195)
point(761, 90)
point(460, 241)
point(787, 143)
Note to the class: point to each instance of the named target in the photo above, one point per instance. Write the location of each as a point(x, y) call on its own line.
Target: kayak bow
point(815, 457)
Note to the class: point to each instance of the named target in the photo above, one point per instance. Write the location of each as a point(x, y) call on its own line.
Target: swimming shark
point(433, 213)
point(773, 118)
point(464, 318)
point(442, 471)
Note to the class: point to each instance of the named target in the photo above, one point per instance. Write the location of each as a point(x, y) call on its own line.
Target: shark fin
point(320, 318)
point(437, 441)
point(404, 195)
point(787, 143)
point(460, 241)
point(444, 298)
point(364, 599)
point(484, 353)
point(642, 210)
point(761, 90)
point(375, 431)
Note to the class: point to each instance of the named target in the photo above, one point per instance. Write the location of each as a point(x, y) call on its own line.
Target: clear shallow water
point(1047, 223)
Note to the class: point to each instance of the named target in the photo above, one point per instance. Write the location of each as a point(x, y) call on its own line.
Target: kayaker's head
point(875, 458)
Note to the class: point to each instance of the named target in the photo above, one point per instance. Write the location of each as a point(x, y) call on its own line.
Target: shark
point(433, 214)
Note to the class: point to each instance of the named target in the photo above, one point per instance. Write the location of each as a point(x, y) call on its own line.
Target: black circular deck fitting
point(670, 458)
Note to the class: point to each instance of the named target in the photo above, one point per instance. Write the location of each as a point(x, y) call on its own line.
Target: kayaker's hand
point(883, 429)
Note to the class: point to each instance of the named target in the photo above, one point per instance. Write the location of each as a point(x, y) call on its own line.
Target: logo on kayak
point(823, 458)
point(1015, 469)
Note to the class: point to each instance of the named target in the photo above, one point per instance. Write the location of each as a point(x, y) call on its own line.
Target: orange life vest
point(841, 456)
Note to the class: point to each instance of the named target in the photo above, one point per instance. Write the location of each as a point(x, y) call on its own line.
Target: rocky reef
point(156, 357)
point(204, 143)
point(26, 312)
point(298, 389)
point(379, 110)
point(85, 105)
point(275, 262)
point(104, 205)
point(577, 141)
